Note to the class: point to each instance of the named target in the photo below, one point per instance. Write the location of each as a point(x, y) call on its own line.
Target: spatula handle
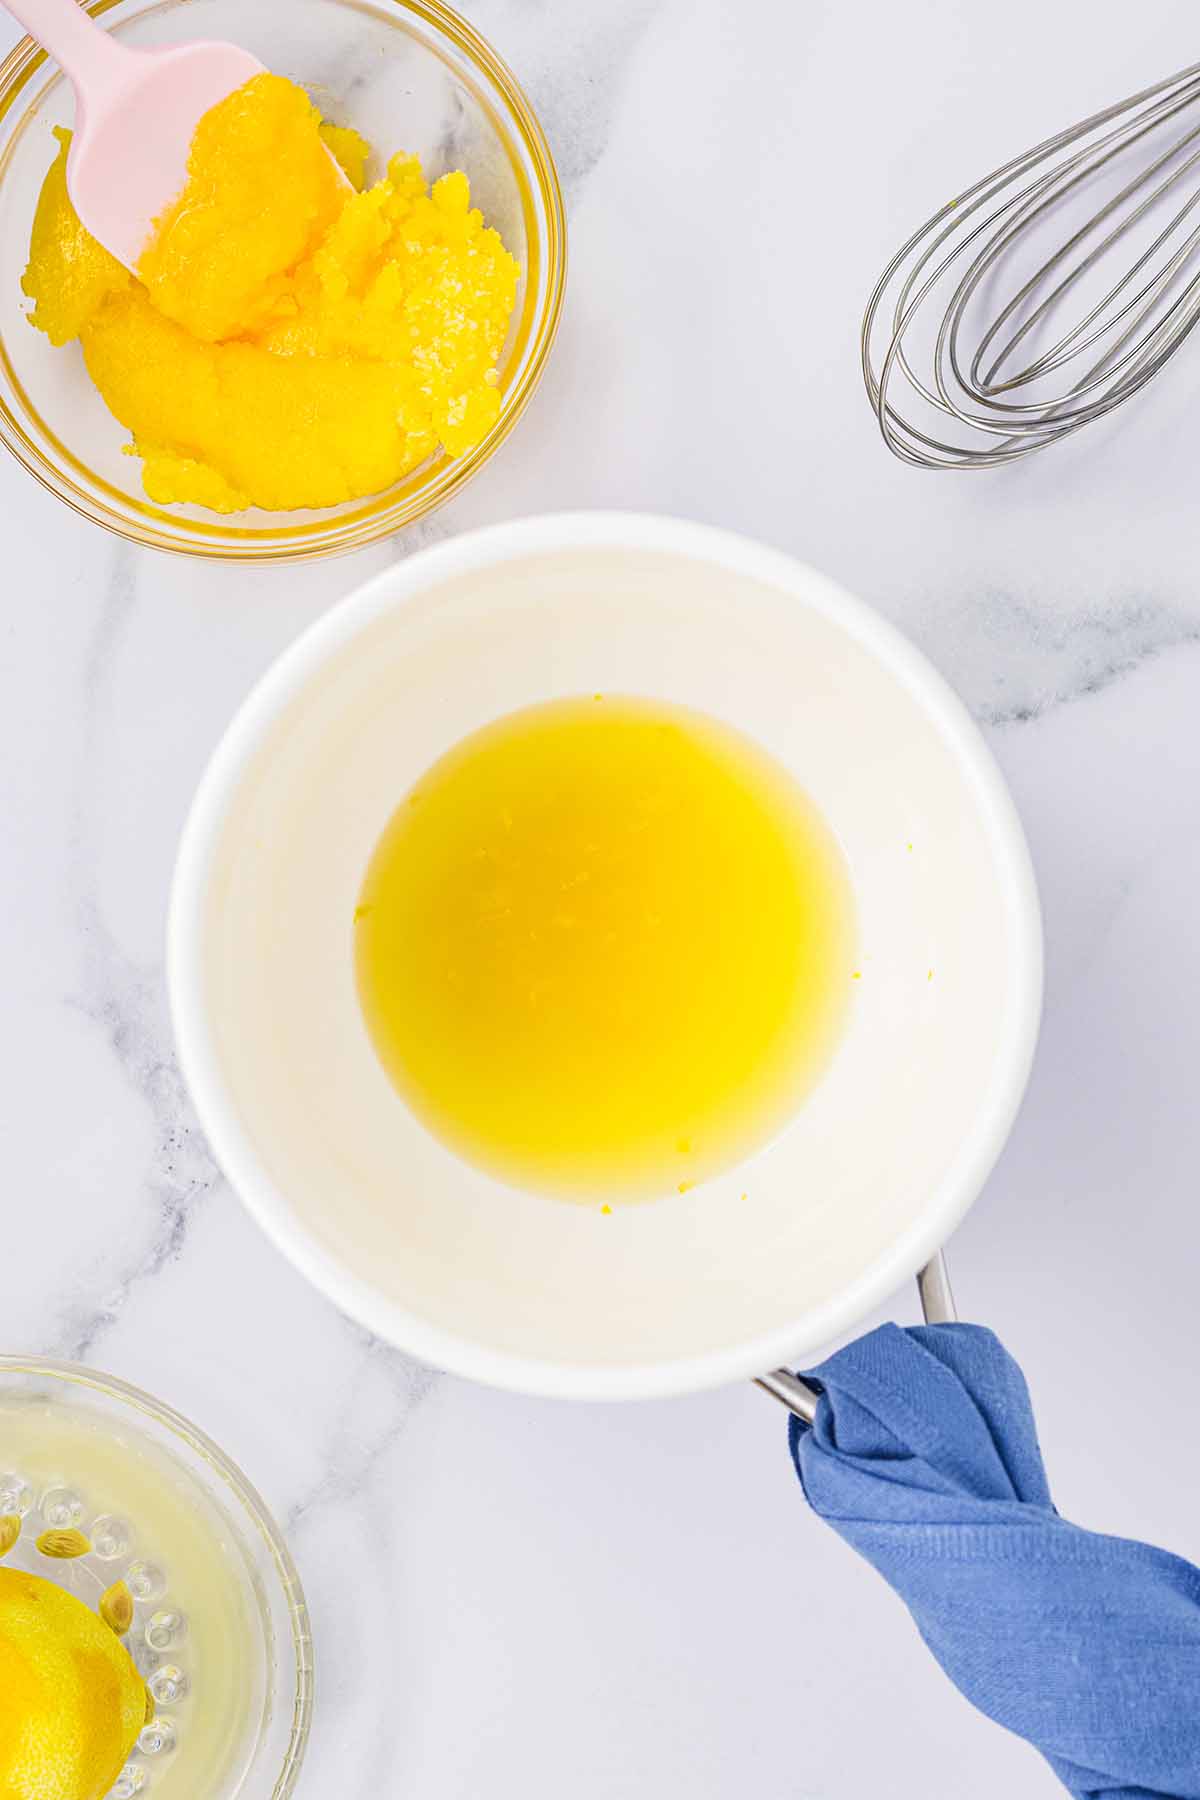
point(91, 57)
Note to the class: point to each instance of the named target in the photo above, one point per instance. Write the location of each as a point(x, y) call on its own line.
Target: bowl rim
point(291, 1587)
point(388, 591)
point(376, 520)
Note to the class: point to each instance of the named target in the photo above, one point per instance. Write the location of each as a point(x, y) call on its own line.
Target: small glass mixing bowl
point(220, 1631)
point(410, 75)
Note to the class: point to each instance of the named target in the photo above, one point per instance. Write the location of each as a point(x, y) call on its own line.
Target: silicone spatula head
point(136, 112)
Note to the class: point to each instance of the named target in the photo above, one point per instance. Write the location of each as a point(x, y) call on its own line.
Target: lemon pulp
point(604, 947)
point(71, 1701)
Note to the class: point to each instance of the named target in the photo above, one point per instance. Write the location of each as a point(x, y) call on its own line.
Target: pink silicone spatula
point(135, 114)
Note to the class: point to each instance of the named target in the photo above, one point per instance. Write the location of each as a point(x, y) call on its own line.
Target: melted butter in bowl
point(604, 947)
point(847, 1122)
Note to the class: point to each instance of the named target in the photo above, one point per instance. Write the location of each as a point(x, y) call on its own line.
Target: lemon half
point(71, 1701)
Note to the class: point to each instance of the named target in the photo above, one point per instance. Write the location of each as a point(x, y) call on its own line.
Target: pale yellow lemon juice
point(604, 947)
point(103, 1512)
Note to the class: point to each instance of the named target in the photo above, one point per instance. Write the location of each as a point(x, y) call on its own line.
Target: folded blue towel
point(924, 1457)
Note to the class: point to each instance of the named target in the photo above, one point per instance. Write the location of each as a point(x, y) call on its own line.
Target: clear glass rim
point(378, 517)
point(255, 1506)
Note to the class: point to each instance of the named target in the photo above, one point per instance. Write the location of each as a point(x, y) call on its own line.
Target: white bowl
point(530, 1292)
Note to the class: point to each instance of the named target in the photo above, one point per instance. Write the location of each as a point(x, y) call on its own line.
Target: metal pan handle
point(937, 1303)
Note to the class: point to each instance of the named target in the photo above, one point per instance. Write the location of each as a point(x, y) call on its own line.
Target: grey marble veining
point(123, 1000)
point(354, 1460)
point(1012, 664)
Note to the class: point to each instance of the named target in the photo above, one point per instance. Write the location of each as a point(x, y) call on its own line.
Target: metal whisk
point(989, 318)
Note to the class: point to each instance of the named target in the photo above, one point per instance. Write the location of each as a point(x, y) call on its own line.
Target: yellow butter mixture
point(290, 340)
point(604, 947)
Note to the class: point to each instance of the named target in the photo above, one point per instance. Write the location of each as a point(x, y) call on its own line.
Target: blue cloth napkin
point(924, 1457)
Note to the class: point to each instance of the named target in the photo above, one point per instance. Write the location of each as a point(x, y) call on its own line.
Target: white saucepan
point(528, 1292)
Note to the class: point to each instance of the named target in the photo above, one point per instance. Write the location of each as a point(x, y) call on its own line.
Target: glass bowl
point(411, 75)
point(220, 1630)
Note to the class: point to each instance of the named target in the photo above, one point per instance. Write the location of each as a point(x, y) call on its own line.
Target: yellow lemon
point(71, 1701)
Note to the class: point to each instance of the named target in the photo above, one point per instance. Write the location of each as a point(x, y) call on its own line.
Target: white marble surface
point(605, 1601)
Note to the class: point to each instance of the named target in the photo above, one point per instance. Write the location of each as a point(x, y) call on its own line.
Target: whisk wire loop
point(954, 329)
